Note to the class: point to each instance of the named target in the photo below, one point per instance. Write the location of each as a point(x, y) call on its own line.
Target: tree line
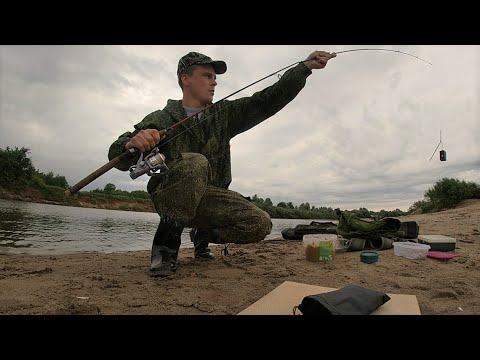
point(16, 169)
point(287, 210)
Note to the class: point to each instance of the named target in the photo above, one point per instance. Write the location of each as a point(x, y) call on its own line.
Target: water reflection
point(13, 222)
point(31, 228)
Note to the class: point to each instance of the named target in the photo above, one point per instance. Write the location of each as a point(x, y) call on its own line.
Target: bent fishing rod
point(155, 161)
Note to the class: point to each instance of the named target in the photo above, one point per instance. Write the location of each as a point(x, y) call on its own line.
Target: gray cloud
point(360, 134)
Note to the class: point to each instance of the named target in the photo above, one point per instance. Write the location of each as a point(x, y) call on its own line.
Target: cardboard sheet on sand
point(282, 299)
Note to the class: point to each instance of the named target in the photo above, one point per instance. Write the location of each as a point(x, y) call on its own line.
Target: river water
point(43, 229)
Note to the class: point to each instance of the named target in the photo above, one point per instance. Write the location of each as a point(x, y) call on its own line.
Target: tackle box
point(438, 242)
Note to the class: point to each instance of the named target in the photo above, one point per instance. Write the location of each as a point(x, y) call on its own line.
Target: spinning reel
point(153, 162)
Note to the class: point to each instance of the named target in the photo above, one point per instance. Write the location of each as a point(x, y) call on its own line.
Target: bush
point(37, 182)
point(446, 194)
point(50, 179)
point(140, 194)
point(15, 165)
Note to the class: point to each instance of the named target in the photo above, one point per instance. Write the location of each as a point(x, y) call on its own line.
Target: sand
point(120, 284)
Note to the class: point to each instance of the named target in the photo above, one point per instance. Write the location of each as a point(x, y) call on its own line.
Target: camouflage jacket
point(211, 138)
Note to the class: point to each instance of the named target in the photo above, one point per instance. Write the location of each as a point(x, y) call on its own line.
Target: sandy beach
point(120, 284)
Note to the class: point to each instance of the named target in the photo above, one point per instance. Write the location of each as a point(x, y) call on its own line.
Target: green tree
point(50, 179)
point(258, 200)
point(268, 202)
point(15, 164)
point(305, 206)
point(140, 194)
point(109, 189)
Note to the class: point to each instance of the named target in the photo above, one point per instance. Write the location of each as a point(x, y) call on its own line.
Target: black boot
point(166, 244)
point(201, 238)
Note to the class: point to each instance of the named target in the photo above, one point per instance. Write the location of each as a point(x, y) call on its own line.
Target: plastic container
point(410, 250)
point(438, 242)
point(442, 255)
point(319, 247)
point(341, 244)
point(369, 257)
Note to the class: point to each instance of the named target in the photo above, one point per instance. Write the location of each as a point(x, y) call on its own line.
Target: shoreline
point(120, 283)
point(83, 200)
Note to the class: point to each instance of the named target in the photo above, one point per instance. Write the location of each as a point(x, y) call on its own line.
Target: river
point(44, 229)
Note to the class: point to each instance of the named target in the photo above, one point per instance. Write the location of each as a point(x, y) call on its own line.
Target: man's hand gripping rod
point(151, 163)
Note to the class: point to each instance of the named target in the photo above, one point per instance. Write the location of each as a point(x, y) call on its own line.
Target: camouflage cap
point(194, 58)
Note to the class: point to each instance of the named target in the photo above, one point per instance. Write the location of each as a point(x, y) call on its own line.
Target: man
point(194, 191)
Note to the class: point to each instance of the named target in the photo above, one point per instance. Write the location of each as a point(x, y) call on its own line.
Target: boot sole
point(204, 258)
point(161, 273)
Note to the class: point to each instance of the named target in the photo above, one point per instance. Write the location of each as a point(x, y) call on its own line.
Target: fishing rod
point(155, 160)
point(380, 49)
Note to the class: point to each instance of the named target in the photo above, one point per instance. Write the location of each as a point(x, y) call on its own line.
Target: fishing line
point(222, 99)
point(437, 146)
point(144, 167)
point(236, 92)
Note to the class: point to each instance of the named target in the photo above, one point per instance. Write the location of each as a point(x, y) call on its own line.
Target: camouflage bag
point(350, 225)
point(378, 234)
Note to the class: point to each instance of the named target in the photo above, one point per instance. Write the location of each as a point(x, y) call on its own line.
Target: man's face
point(201, 84)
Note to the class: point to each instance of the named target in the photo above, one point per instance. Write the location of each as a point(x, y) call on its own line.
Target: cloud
point(360, 134)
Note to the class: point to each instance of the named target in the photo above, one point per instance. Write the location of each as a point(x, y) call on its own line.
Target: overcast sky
point(360, 134)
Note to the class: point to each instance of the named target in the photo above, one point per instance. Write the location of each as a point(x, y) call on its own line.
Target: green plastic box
point(438, 242)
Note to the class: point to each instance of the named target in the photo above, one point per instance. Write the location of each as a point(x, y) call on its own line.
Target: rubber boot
point(201, 238)
point(166, 243)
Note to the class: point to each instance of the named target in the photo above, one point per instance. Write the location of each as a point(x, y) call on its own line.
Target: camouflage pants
point(186, 196)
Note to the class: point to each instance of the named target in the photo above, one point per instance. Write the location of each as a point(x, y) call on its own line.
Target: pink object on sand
point(441, 255)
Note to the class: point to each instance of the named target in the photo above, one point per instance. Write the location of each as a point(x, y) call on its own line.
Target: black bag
point(410, 228)
point(349, 300)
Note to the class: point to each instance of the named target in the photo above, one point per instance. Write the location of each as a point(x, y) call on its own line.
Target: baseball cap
point(195, 58)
